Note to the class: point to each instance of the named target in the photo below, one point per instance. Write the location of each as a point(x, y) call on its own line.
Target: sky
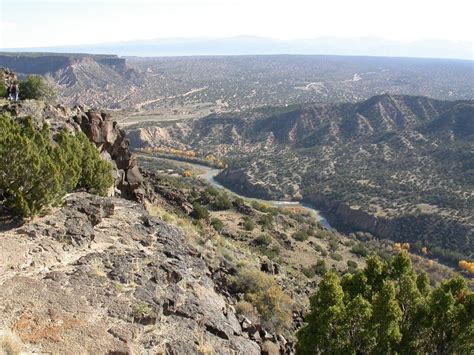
point(41, 23)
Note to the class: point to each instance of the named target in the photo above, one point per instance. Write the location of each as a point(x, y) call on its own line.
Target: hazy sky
point(30, 23)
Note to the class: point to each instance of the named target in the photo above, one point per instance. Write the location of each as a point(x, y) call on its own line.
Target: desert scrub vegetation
point(263, 240)
point(264, 293)
point(301, 236)
point(248, 224)
point(199, 211)
point(36, 87)
point(36, 173)
point(388, 308)
point(217, 224)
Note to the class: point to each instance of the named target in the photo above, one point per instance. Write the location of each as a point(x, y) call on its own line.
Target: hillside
point(397, 166)
point(166, 263)
point(124, 276)
point(91, 80)
point(151, 89)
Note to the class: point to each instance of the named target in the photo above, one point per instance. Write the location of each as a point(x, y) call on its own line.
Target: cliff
point(98, 126)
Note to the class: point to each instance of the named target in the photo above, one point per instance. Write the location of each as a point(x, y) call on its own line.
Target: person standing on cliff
point(15, 92)
point(10, 92)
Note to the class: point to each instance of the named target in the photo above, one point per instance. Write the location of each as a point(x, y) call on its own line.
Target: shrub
point(333, 244)
point(262, 291)
point(239, 203)
point(217, 224)
point(199, 211)
point(222, 202)
point(360, 249)
point(270, 253)
point(336, 256)
point(320, 268)
point(95, 172)
point(352, 264)
point(266, 220)
point(318, 248)
point(3, 91)
point(300, 236)
point(37, 88)
point(247, 309)
point(263, 240)
point(309, 272)
point(249, 224)
point(35, 174)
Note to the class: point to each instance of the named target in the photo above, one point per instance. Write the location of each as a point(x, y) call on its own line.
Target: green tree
point(388, 309)
point(29, 178)
point(386, 319)
point(36, 174)
point(356, 328)
point(323, 330)
point(96, 174)
point(37, 88)
point(423, 283)
point(375, 272)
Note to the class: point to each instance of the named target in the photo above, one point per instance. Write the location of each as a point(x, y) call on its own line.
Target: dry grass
point(205, 347)
point(10, 344)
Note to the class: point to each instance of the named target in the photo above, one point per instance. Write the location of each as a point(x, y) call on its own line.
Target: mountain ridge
point(251, 45)
point(387, 156)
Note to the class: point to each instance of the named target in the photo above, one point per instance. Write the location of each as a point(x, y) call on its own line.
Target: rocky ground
point(102, 276)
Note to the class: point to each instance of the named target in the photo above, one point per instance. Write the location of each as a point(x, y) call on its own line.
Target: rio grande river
point(210, 173)
point(206, 173)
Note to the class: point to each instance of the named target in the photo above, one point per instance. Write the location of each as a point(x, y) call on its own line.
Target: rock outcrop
point(99, 127)
point(7, 77)
point(102, 276)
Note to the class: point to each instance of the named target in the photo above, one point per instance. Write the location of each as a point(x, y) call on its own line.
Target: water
point(210, 173)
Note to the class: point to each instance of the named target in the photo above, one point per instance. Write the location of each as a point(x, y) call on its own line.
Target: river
point(207, 173)
point(210, 173)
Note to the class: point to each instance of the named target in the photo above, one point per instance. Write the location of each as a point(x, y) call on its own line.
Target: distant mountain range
point(400, 167)
point(247, 45)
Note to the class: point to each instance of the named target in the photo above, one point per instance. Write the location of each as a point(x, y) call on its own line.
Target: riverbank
point(209, 174)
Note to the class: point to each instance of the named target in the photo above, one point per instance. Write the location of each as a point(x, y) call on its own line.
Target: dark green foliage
point(336, 256)
point(352, 264)
point(249, 224)
point(266, 220)
point(3, 91)
point(386, 308)
point(36, 174)
point(95, 175)
point(271, 252)
point(217, 224)
point(216, 199)
point(360, 249)
point(333, 244)
point(239, 203)
point(35, 87)
point(300, 236)
point(308, 272)
point(222, 203)
point(320, 268)
point(199, 211)
point(263, 240)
